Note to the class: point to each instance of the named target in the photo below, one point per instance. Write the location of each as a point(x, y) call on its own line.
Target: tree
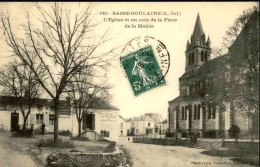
point(19, 81)
point(85, 92)
point(63, 44)
point(241, 64)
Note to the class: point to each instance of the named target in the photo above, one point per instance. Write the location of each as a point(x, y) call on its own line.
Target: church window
point(206, 56)
point(190, 89)
point(202, 56)
point(184, 92)
point(182, 113)
point(195, 111)
point(192, 58)
point(198, 114)
point(209, 112)
point(213, 112)
point(189, 57)
point(185, 113)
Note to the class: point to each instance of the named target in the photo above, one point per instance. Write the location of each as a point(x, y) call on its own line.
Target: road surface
point(148, 155)
point(11, 158)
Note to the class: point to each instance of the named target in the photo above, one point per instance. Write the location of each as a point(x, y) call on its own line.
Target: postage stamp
point(145, 68)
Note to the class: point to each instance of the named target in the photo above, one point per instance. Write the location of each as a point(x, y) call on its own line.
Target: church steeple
point(197, 49)
point(198, 35)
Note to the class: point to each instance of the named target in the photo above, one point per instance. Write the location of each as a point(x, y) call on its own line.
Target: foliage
point(234, 77)
point(242, 44)
point(64, 133)
point(233, 131)
point(28, 133)
point(50, 143)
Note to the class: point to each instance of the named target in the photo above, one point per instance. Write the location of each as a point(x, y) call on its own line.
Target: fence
point(161, 141)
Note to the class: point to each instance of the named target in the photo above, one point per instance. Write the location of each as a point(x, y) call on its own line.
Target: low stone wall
point(171, 142)
point(76, 158)
point(241, 144)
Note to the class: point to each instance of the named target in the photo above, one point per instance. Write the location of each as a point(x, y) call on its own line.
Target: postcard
point(142, 84)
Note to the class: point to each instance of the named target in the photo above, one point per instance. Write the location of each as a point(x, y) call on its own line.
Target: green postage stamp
point(142, 70)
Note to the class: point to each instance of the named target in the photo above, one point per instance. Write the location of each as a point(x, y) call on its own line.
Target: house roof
point(64, 106)
point(122, 118)
point(12, 100)
point(142, 118)
point(164, 122)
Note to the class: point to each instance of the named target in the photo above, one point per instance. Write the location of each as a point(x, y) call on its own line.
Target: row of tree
point(58, 53)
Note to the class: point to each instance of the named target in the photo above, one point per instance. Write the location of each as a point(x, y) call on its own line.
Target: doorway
point(14, 121)
point(89, 122)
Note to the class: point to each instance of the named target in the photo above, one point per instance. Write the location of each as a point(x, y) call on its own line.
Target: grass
point(129, 158)
point(110, 148)
point(247, 156)
point(83, 138)
point(50, 143)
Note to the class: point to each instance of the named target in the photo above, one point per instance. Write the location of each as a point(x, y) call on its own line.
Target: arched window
point(198, 111)
point(189, 57)
point(182, 113)
point(192, 58)
point(209, 111)
point(195, 111)
point(213, 112)
point(202, 56)
point(206, 56)
point(185, 113)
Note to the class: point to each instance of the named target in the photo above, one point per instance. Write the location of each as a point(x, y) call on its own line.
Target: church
point(193, 110)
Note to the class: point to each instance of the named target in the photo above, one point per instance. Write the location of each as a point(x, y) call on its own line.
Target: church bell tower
point(198, 49)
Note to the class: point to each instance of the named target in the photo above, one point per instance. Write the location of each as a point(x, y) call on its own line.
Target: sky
point(216, 17)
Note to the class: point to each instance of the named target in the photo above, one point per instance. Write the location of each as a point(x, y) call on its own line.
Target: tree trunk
point(24, 123)
point(79, 129)
point(56, 122)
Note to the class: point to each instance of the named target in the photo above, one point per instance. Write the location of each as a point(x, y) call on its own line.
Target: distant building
point(162, 127)
point(122, 126)
point(142, 125)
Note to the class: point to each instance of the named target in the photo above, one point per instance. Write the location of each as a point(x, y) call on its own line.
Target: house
point(157, 117)
point(102, 119)
point(189, 112)
point(123, 126)
point(162, 127)
point(143, 125)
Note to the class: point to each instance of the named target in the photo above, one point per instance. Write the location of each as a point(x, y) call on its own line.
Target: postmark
point(145, 62)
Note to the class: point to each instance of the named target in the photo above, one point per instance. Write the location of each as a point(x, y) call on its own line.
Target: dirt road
point(11, 158)
point(147, 155)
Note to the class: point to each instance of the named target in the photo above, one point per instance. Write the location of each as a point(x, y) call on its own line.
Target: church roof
point(177, 99)
point(207, 67)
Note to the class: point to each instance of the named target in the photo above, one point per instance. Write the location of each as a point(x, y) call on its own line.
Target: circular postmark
point(146, 62)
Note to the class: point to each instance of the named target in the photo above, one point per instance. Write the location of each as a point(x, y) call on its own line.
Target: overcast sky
point(216, 17)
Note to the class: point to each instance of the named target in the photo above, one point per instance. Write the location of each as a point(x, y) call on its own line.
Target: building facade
point(101, 120)
point(162, 127)
point(143, 125)
point(192, 111)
